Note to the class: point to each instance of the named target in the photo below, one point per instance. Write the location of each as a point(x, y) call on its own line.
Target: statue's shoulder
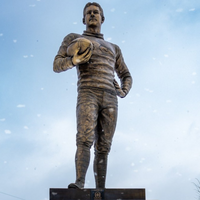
point(116, 47)
point(71, 36)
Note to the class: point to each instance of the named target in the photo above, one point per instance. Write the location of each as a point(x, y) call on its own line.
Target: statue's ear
point(102, 20)
point(84, 20)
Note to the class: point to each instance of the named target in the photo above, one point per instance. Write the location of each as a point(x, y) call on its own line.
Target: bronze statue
point(96, 60)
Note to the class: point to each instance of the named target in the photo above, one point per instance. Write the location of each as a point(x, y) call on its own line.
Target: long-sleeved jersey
point(98, 72)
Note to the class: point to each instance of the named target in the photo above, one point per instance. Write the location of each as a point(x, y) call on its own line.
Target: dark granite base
point(95, 194)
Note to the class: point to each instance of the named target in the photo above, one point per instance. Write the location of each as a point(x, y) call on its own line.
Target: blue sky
point(156, 144)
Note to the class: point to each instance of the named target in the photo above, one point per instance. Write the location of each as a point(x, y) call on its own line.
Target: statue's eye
point(96, 12)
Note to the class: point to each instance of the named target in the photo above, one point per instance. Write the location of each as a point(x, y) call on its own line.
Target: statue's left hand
point(118, 89)
point(82, 58)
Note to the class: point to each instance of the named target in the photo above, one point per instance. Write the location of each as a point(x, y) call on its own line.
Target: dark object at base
point(97, 194)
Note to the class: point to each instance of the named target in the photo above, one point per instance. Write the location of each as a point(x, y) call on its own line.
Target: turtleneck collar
point(98, 35)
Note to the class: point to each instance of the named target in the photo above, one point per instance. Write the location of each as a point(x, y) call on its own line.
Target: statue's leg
point(82, 160)
point(105, 131)
point(87, 114)
point(100, 169)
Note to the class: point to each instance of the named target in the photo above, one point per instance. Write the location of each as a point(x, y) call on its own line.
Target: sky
point(156, 143)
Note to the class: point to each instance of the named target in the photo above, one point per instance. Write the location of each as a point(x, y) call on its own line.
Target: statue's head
point(96, 5)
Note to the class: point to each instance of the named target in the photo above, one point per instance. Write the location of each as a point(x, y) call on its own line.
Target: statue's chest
point(101, 47)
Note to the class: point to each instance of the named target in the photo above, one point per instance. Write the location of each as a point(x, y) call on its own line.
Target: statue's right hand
point(81, 58)
point(118, 89)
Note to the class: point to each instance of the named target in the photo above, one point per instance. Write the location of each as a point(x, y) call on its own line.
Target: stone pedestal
point(95, 194)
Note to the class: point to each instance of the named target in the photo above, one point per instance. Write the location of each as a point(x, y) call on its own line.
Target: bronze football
point(80, 43)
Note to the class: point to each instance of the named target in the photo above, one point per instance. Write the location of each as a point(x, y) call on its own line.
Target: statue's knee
point(82, 140)
point(102, 149)
point(84, 144)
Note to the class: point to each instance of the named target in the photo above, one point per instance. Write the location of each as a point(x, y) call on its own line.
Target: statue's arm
point(123, 74)
point(62, 61)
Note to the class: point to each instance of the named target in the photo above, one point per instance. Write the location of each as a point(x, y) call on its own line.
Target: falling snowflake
point(137, 95)
point(192, 9)
point(148, 90)
point(178, 174)
point(7, 131)
point(21, 106)
point(128, 148)
point(132, 164)
point(109, 39)
point(112, 10)
point(142, 160)
point(179, 10)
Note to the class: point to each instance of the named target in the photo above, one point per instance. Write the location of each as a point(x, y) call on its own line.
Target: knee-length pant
point(96, 118)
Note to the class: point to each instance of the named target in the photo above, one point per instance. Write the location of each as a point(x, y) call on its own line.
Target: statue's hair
point(94, 4)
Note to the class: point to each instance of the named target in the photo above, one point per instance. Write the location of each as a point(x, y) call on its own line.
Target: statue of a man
point(97, 103)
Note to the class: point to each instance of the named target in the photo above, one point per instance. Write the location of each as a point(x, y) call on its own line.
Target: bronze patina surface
point(97, 103)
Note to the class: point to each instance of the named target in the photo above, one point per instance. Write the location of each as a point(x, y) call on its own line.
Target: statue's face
point(93, 16)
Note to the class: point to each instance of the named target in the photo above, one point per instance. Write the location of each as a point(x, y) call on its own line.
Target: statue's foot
point(75, 186)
